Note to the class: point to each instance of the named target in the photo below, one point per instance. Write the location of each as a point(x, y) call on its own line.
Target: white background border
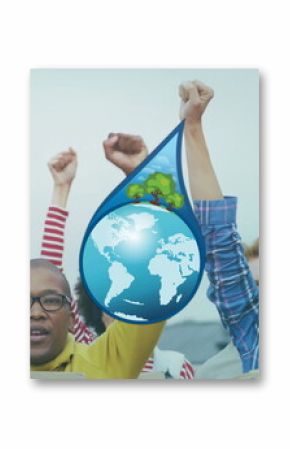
point(152, 34)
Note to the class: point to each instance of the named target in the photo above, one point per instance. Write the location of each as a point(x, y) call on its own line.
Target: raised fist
point(125, 151)
point(63, 167)
point(195, 97)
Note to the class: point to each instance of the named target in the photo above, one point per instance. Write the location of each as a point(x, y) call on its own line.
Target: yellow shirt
point(120, 353)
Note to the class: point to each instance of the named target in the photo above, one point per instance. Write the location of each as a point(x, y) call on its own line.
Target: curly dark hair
point(91, 313)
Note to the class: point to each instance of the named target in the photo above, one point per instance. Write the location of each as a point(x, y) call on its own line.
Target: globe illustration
point(141, 263)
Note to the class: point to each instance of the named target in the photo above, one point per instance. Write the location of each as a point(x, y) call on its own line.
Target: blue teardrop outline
point(188, 217)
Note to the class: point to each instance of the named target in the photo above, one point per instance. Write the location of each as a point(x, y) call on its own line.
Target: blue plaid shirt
point(232, 288)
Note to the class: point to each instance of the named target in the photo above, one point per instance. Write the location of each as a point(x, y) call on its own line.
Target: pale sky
point(80, 107)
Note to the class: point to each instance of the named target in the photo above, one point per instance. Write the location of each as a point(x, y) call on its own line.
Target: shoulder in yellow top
point(120, 353)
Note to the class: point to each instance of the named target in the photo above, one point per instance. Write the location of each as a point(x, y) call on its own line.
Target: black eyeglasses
point(51, 302)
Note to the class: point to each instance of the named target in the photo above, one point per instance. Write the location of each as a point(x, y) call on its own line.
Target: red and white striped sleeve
point(187, 371)
point(52, 245)
point(149, 365)
point(52, 249)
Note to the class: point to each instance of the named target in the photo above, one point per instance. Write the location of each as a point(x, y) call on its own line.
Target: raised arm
point(195, 97)
point(232, 288)
point(126, 152)
point(63, 170)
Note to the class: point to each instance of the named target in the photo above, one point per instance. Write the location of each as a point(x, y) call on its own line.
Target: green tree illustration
point(159, 185)
point(175, 200)
point(135, 191)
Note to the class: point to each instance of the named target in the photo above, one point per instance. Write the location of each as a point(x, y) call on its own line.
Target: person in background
point(232, 287)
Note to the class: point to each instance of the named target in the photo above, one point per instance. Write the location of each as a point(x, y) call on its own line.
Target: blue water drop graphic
point(142, 255)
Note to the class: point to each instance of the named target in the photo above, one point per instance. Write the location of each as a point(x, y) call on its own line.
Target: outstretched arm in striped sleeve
point(63, 170)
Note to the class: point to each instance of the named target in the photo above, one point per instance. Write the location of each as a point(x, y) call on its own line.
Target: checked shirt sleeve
point(232, 288)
